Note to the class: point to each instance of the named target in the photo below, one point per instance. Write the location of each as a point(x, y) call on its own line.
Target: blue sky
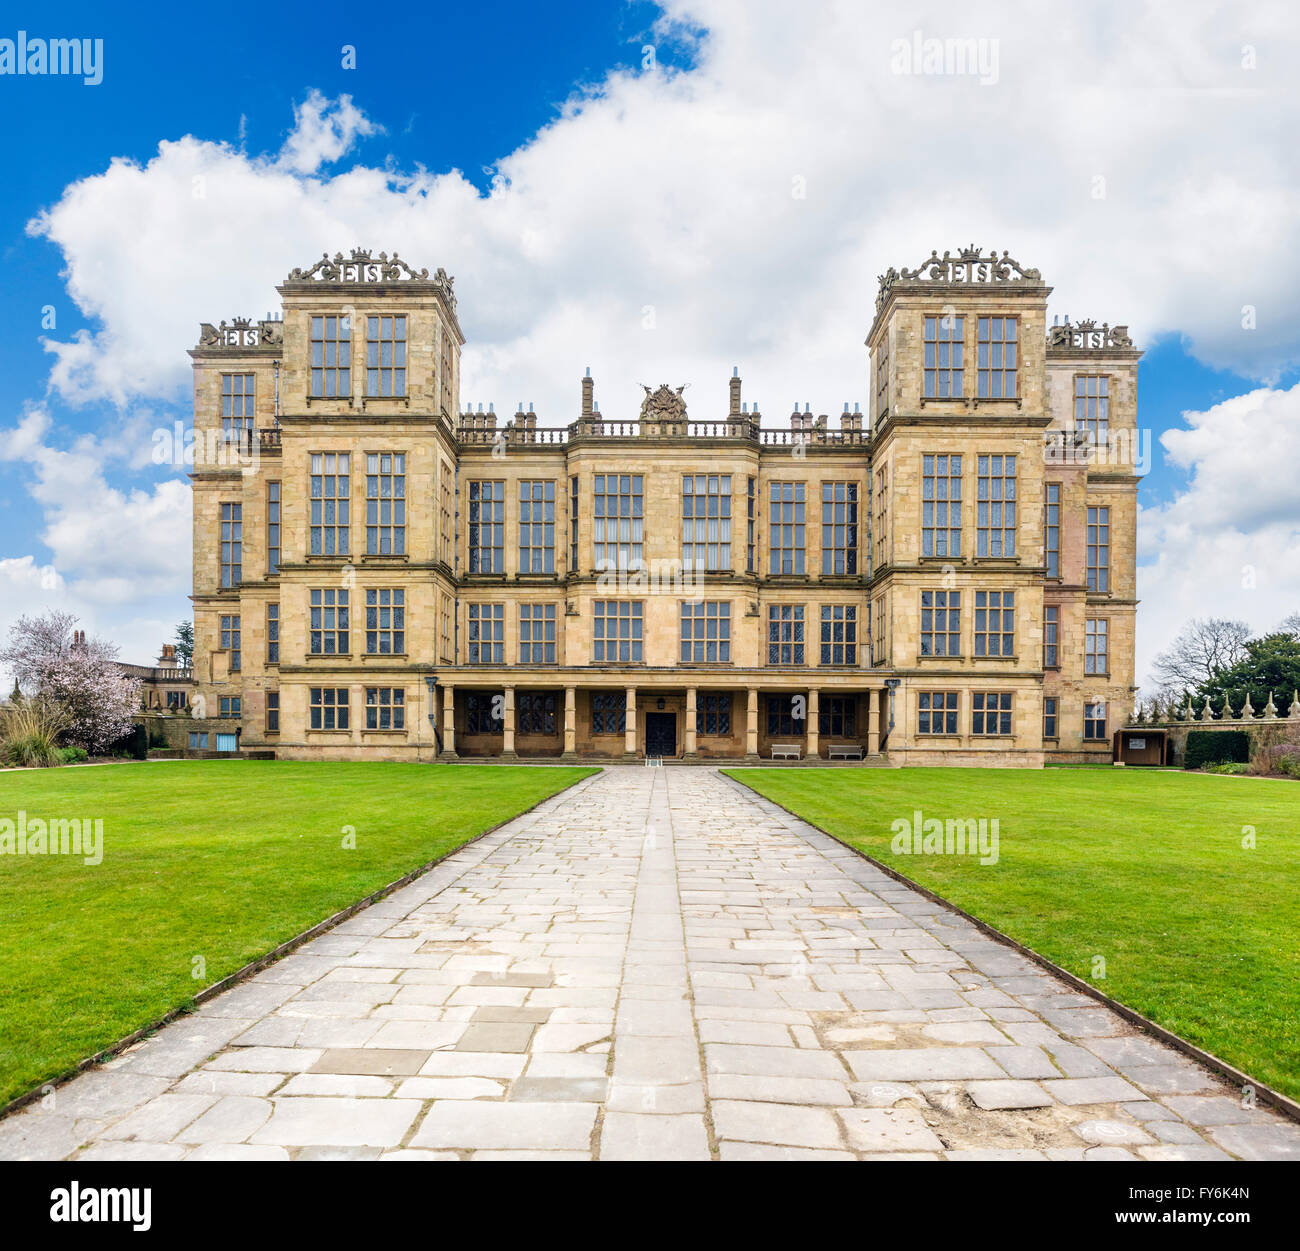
point(624, 185)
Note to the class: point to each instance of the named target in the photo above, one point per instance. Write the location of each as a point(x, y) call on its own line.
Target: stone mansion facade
point(947, 579)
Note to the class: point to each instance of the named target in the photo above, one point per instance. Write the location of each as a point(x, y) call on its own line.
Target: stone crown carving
point(362, 266)
point(970, 265)
point(664, 404)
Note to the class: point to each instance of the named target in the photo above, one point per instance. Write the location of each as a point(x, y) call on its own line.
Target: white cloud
point(323, 132)
point(1228, 544)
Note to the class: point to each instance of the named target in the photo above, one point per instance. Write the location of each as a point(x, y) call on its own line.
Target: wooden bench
point(786, 751)
point(844, 751)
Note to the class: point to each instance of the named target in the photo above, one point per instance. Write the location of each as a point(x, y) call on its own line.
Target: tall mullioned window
point(237, 396)
point(995, 623)
point(995, 505)
point(331, 492)
point(616, 631)
point(940, 623)
point(1094, 721)
point(1051, 636)
point(386, 503)
point(785, 640)
point(487, 634)
point(882, 377)
point(1096, 646)
point(230, 642)
point(273, 712)
point(232, 544)
point(706, 632)
point(839, 527)
point(331, 357)
point(1050, 716)
point(385, 356)
point(1092, 405)
point(536, 634)
point(945, 344)
point(385, 621)
point(487, 527)
point(272, 527)
point(573, 524)
point(537, 526)
point(882, 517)
point(706, 521)
point(786, 530)
point(941, 505)
point(329, 629)
point(617, 520)
point(839, 637)
point(1052, 530)
point(751, 527)
point(1098, 549)
point(273, 634)
point(997, 350)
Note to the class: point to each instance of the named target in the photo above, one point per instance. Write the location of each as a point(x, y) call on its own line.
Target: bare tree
point(1290, 624)
point(1205, 648)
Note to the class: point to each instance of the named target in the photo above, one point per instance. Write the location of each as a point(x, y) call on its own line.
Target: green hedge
point(1206, 747)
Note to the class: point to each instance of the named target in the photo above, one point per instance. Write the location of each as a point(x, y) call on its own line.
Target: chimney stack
point(735, 390)
point(588, 390)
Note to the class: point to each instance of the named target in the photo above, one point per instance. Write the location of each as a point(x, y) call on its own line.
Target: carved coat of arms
point(664, 404)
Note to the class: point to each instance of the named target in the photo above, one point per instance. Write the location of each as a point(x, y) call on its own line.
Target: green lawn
point(218, 859)
point(1143, 868)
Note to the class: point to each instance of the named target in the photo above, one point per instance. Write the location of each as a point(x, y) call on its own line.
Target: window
point(329, 622)
point(940, 623)
point(331, 357)
point(706, 632)
point(536, 634)
point(1049, 716)
point(230, 634)
point(1095, 649)
point(230, 705)
point(706, 521)
point(236, 406)
point(484, 713)
point(786, 527)
point(713, 715)
point(232, 544)
point(838, 716)
point(616, 630)
point(1051, 636)
point(573, 525)
point(386, 503)
point(995, 623)
point(996, 506)
point(785, 634)
point(882, 377)
point(1052, 525)
point(448, 533)
point(879, 648)
point(839, 643)
point(617, 520)
point(750, 527)
point(945, 340)
point(385, 355)
point(175, 701)
point(330, 493)
point(1092, 406)
point(273, 712)
point(941, 506)
point(272, 527)
point(537, 527)
point(990, 713)
point(385, 622)
point(273, 634)
point(537, 712)
point(487, 527)
point(996, 351)
point(487, 634)
point(199, 740)
point(781, 719)
point(1098, 549)
point(839, 527)
point(882, 516)
point(1094, 721)
point(608, 714)
point(936, 712)
point(385, 708)
point(329, 708)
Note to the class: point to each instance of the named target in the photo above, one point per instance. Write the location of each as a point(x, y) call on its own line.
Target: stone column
point(690, 721)
point(811, 724)
point(629, 737)
point(508, 745)
point(873, 723)
point(449, 722)
point(570, 721)
point(751, 724)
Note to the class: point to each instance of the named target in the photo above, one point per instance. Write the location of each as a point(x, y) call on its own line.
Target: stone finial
point(1207, 713)
point(1270, 709)
point(1294, 710)
point(1247, 710)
